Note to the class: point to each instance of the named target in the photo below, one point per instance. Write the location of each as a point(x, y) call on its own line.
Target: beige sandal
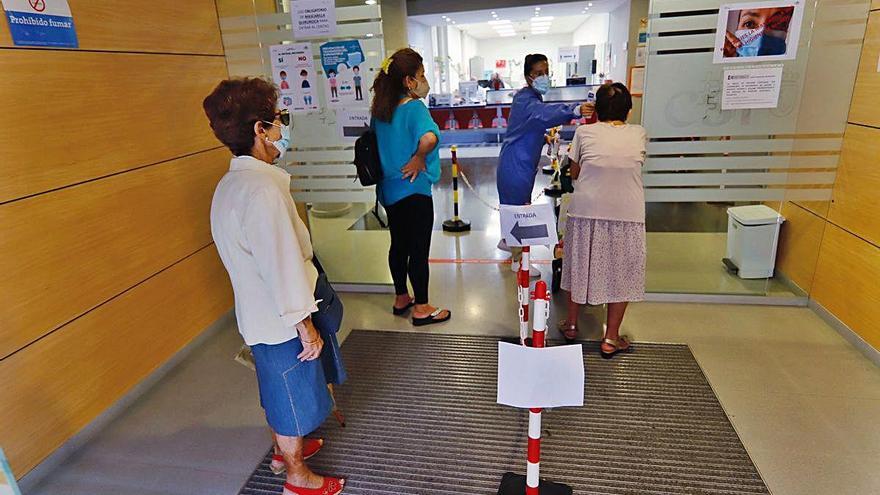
point(621, 344)
point(569, 331)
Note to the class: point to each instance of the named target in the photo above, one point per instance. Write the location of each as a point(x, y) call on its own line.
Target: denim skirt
point(294, 394)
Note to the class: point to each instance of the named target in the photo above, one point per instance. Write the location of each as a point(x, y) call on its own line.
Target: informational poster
point(344, 83)
point(756, 87)
point(350, 124)
point(641, 55)
point(568, 54)
point(501, 64)
point(293, 69)
point(8, 485)
point(313, 18)
point(758, 31)
point(637, 81)
point(41, 23)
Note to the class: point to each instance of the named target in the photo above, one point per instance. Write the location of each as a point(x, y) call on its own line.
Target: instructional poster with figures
point(758, 31)
point(344, 81)
point(293, 69)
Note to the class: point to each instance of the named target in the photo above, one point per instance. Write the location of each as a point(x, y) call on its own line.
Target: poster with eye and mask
point(345, 83)
point(758, 31)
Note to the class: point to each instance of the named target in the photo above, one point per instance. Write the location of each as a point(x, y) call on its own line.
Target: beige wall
point(394, 30)
point(105, 189)
point(833, 253)
point(638, 10)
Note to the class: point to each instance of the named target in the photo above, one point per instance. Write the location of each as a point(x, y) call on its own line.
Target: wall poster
point(344, 83)
point(293, 69)
point(758, 31)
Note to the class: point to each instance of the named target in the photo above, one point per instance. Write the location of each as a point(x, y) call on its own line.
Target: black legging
point(411, 222)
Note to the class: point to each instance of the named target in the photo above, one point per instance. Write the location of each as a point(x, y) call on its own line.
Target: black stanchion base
point(553, 191)
point(456, 226)
point(515, 484)
point(548, 170)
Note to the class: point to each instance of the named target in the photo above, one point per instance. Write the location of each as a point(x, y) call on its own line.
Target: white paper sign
point(350, 124)
point(532, 225)
point(756, 87)
point(568, 54)
point(548, 377)
point(313, 18)
point(641, 55)
point(293, 69)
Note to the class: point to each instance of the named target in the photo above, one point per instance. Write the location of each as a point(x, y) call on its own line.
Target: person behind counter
point(520, 153)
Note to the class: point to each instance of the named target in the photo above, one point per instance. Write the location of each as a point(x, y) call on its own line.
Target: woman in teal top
point(408, 139)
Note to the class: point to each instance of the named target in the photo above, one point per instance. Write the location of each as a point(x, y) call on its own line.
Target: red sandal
point(331, 486)
point(311, 447)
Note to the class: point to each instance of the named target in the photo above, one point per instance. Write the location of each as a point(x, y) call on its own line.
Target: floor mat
point(422, 419)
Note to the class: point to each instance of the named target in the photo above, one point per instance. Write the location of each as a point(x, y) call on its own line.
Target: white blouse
point(266, 249)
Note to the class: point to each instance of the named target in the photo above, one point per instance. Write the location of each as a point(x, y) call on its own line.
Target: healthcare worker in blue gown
point(520, 154)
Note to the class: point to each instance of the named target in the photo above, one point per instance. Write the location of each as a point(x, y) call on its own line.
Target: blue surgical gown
point(520, 154)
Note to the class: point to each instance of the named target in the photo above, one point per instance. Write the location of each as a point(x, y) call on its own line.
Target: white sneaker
point(502, 245)
point(533, 272)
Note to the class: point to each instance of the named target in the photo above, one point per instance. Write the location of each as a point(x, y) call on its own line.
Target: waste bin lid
point(755, 215)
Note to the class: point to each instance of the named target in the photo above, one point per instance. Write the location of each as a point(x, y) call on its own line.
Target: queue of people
point(287, 311)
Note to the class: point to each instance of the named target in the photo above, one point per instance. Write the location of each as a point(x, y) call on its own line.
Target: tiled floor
point(803, 400)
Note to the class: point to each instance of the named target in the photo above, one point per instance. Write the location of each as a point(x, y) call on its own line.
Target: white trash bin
point(752, 237)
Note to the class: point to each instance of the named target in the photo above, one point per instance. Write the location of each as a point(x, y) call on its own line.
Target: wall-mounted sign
point(758, 31)
point(293, 69)
point(41, 23)
point(343, 78)
point(313, 18)
point(500, 64)
point(568, 54)
point(351, 124)
point(756, 87)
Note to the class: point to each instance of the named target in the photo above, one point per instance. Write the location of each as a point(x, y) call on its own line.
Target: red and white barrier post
point(523, 296)
point(539, 330)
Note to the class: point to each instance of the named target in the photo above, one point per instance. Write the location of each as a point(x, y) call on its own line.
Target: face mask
point(541, 84)
point(282, 144)
point(422, 89)
point(751, 41)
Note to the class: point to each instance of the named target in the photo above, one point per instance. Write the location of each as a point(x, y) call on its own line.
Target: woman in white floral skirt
point(604, 245)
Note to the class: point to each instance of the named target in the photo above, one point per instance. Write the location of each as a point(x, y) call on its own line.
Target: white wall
point(618, 37)
point(420, 40)
point(516, 48)
point(594, 31)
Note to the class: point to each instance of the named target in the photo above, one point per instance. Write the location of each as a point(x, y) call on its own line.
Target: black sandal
point(402, 311)
point(622, 344)
point(432, 318)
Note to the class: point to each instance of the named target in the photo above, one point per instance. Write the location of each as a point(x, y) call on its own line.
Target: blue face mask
point(282, 144)
point(751, 41)
point(541, 84)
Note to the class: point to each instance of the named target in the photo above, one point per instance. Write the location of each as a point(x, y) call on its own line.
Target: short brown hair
point(390, 87)
point(235, 106)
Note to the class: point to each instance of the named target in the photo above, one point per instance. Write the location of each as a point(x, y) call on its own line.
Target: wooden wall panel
point(73, 116)
point(799, 243)
point(846, 282)
point(67, 251)
point(238, 8)
point(875, 5)
point(866, 96)
point(57, 386)
point(856, 206)
point(157, 26)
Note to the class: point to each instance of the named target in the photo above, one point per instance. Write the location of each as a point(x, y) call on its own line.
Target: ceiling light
point(444, 17)
point(370, 35)
point(370, 2)
point(493, 12)
point(453, 22)
point(537, 8)
point(590, 4)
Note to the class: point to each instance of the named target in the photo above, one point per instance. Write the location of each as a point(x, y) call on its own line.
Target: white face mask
point(422, 89)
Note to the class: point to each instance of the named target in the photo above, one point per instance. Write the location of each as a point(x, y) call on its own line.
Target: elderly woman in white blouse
point(604, 245)
point(287, 312)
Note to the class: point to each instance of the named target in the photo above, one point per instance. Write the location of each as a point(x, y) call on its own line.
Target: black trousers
point(411, 222)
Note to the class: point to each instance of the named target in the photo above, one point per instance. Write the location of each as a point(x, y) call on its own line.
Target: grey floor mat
point(422, 419)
